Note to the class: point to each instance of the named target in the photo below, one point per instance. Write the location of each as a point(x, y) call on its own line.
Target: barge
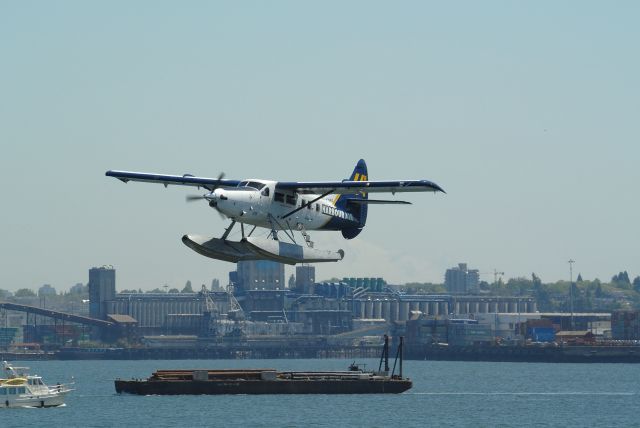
point(271, 381)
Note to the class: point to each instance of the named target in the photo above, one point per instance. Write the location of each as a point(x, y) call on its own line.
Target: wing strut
point(307, 204)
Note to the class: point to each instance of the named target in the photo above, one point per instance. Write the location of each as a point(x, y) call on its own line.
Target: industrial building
point(323, 308)
point(261, 305)
point(102, 288)
point(625, 325)
point(462, 280)
point(151, 310)
point(395, 307)
point(257, 275)
point(305, 279)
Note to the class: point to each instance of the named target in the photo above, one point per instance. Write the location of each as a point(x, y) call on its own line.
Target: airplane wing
point(180, 180)
point(347, 187)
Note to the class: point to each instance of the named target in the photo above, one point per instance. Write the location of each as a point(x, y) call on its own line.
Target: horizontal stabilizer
point(375, 201)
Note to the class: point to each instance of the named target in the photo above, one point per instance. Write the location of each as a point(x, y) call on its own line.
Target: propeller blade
point(220, 177)
point(193, 198)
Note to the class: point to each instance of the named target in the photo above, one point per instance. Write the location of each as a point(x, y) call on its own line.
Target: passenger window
point(318, 207)
point(12, 390)
point(291, 200)
point(278, 197)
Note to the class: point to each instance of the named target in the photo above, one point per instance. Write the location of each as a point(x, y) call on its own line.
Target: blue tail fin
point(359, 211)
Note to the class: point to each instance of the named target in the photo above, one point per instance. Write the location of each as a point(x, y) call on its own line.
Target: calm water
point(444, 394)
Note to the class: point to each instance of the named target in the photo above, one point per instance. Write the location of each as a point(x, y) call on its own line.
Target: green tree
point(174, 290)
point(187, 288)
point(598, 293)
point(621, 280)
point(24, 292)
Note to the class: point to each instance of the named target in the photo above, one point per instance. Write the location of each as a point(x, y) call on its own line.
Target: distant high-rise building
point(305, 278)
point(259, 275)
point(462, 280)
point(102, 288)
point(79, 288)
point(473, 281)
point(46, 290)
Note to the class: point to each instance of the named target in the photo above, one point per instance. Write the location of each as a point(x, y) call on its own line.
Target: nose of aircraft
point(211, 196)
point(215, 196)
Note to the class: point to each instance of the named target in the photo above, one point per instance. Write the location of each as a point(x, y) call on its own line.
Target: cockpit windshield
point(252, 184)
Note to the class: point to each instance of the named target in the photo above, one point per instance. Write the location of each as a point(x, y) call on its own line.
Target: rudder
point(359, 211)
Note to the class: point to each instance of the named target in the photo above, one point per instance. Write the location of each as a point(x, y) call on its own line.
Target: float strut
point(227, 231)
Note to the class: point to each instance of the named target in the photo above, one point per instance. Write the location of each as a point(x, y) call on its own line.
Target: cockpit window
point(256, 185)
point(252, 184)
point(265, 192)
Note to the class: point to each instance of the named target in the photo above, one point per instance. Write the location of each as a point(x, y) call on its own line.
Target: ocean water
point(445, 394)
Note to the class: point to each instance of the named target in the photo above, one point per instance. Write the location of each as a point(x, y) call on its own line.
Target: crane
point(495, 274)
point(217, 325)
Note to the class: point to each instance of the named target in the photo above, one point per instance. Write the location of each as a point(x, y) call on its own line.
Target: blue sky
point(526, 113)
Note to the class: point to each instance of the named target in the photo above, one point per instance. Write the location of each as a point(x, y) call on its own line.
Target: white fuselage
point(257, 202)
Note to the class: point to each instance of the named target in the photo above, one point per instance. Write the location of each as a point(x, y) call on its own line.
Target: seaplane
point(284, 208)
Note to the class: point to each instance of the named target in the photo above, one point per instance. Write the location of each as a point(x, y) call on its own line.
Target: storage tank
point(473, 307)
point(443, 308)
point(404, 311)
point(394, 311)
point(377, 309)
point(386, 310)
point(368, 309)
point(433, 308)
point(424, 307)
point(359, 304)
point(484, 307)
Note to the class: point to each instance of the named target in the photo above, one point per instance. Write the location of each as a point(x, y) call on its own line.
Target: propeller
point(193, 198)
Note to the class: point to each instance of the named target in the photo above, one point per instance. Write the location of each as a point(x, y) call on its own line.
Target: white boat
point(19, 389)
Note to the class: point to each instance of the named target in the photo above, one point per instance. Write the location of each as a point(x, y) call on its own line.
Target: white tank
point(377, 309)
